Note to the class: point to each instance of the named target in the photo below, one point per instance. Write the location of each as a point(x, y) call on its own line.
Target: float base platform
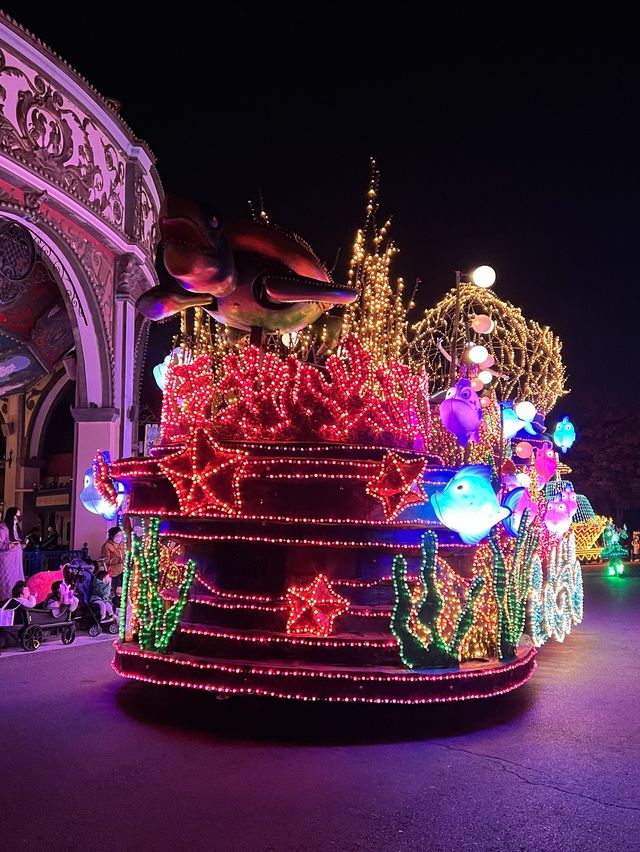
point(329, 683)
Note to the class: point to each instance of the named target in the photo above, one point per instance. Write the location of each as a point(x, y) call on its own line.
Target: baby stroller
point(30, 625)
point(78, 574)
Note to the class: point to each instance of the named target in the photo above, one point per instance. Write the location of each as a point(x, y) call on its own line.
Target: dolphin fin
point(530, 429)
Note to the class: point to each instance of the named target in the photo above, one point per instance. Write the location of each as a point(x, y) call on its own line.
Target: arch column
point(130, 283)
point(12, 429)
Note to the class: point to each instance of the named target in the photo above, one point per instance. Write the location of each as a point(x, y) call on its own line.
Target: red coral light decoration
point(102, 477)
point(204, 475)
point(398, 484)
point(188, 397)
point(264, 397)
point(314, 608)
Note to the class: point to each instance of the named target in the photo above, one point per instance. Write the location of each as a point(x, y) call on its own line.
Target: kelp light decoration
point(511, 585)
point(156, 618)
point(432, 651)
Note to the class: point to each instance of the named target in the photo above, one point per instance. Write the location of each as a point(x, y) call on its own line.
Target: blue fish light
point(469, 506)
point(564, 434)
point(94, 502)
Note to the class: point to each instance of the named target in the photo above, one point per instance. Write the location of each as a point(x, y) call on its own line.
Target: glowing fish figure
point(94, 502)
point(571, 499)
point(461, 412)
point(564, 434)
point(512, 424)
point(546, 463)
point(469, 506)
point(525, 501)
point(560, 511)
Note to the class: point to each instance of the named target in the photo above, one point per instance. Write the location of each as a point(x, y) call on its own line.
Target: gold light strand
point(527, 356)
point(378, 316)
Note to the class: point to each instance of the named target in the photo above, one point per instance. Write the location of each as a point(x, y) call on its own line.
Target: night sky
point(508, 141)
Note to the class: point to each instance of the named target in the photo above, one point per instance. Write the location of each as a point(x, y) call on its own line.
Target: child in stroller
point(27, 624)
point(90, 615)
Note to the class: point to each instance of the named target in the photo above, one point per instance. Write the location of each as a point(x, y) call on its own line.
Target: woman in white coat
point(11, 545)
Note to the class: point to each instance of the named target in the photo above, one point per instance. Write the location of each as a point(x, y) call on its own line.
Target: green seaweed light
point(157, 621)
point(511, 588)
point(435, 653)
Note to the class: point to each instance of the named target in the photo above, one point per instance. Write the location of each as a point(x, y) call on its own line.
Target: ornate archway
point(75, 177)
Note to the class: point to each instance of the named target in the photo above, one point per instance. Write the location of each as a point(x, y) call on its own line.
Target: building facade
point(79, 201)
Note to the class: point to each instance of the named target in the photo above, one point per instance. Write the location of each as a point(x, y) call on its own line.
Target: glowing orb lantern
point(478, 354)
point(524, 450)
point(484, 276)
point(526, 411)
point(477, 384)
point(485, 377)
point(482, 324)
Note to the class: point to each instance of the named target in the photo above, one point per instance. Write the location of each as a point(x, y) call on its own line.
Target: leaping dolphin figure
point(249, 275)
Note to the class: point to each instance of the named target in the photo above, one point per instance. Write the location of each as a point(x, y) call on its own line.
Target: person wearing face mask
point(11, 545)
point(113, 555)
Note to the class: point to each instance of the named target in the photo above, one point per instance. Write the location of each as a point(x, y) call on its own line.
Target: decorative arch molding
point(93, 343)
point(41, 413)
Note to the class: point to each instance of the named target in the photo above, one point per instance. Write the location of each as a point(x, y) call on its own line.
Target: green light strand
point(124, 597)
point(158, 622)
point(511, 588)
point(414, 652)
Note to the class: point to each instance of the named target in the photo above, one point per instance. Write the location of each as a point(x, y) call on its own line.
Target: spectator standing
point(51, 539)
point(635, 546)
point(11, 544)
point(113, 554)
point(33, 539)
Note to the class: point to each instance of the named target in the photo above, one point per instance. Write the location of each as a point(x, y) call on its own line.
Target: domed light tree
point(522, 355)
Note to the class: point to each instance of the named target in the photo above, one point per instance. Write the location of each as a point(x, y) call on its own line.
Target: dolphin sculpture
point(247, 276)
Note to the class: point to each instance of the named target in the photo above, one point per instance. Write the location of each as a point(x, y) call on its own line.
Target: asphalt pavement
point(91, 762)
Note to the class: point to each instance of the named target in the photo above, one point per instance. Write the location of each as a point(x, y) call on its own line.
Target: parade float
point(340, 506)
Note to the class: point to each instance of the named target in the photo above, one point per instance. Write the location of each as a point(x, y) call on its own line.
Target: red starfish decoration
point(313, 608)
point(204, 475)
point(398, 484)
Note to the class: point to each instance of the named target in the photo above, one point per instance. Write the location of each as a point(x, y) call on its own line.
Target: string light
point(378, 316)
point(314, 608)
point(312, 683)
point(527, 355)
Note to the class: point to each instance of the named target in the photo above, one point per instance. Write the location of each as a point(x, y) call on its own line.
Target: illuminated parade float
point(341, 506)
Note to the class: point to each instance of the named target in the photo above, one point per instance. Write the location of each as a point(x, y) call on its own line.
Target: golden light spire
point(377, 317)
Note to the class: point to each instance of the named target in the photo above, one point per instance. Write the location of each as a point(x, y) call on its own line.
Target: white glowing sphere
point(482, 324)
point(485, 376)
point(526, 411)
point(484, 276)
point(524, 479)
point(478, 354)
